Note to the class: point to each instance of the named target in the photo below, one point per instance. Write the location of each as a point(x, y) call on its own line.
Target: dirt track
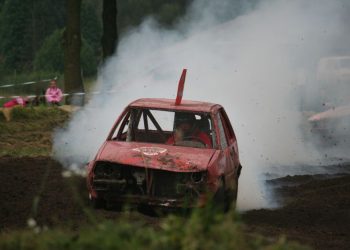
point(316, 211)
point(62, 200)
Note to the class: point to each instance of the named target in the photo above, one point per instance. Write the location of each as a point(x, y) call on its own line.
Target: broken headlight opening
point(194, 185)
point(197, 177)
point(107, 170)
point(130, 180)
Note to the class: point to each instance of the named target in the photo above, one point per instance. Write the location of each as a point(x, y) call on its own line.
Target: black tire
point(232, 198)
point(221, 199)
point(234, 193)
point(98, 203)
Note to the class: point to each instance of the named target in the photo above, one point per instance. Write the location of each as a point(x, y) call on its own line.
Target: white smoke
point(254, 64)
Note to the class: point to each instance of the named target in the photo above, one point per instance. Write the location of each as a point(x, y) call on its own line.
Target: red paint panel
point(168, 104)
point(180, 88)
point(177, 159)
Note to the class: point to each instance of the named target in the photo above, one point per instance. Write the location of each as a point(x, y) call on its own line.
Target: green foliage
point(204, 229)
point(50, 56)
point(169, 12)
point(23, 27)
point(29, 76)
point(1, 4)
point(30, 31)
point(15, 46)
point(3, 70)
point(166, 12)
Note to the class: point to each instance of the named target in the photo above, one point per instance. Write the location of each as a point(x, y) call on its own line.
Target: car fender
point(215, 172)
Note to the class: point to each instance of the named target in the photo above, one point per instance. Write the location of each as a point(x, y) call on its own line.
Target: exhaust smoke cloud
point(255, 60)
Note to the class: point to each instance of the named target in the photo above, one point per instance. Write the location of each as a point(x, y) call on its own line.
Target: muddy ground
point(316, 208)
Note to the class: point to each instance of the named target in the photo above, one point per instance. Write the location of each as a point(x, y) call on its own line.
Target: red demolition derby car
point(167, 154)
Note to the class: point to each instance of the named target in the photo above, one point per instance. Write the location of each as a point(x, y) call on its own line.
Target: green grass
point(29, 133)
point(203, 229)
point(41, 113)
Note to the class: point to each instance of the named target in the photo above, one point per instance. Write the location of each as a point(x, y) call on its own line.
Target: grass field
point(29, 133)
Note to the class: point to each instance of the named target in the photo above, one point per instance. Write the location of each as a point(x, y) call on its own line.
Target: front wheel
point(232, 198)
point(97, 203)
point(221, 199)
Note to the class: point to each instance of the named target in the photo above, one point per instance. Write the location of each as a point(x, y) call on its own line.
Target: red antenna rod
point(180, 88)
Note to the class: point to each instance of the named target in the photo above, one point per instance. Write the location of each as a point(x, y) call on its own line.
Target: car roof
point(169, 104)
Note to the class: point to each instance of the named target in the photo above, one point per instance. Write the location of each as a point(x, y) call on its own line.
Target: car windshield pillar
point(134, 117)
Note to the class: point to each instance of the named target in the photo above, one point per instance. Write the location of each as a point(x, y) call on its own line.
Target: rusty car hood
point(156, 156)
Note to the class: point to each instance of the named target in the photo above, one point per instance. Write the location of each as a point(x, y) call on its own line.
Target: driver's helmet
point(185, 121)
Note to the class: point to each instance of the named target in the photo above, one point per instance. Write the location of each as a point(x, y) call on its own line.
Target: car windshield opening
point(178, 128)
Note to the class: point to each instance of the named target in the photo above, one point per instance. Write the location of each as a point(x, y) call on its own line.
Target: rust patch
point(191, 165)
point(167, 160)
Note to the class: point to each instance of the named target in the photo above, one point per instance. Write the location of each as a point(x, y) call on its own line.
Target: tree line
point(32, 31)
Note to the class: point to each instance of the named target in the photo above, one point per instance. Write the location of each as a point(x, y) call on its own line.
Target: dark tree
point(15, 42)
point(72, 44)
point(24, 25)
point(110, 33)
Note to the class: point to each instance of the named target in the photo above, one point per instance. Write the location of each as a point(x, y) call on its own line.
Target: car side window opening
point(192, 130)
point(230, 135)
point(212, 132)
point(222, 135)
point(120, 131)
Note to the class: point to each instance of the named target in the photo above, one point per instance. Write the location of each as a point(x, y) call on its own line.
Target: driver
point(186, 130)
